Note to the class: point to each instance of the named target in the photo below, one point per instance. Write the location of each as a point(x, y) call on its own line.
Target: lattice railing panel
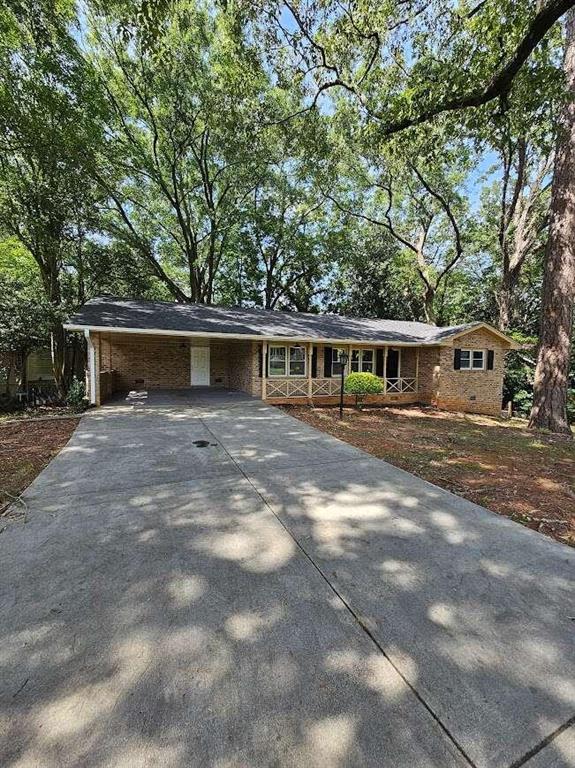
point(325, 387)
point(401, 385)
point(329, 387)
point(286, 387)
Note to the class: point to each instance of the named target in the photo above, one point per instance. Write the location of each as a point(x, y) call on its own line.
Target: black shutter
point(379, 362)
point(314, 363)
point(392, 365)
point(456, 359)
point(327, 362)
point(490, 357)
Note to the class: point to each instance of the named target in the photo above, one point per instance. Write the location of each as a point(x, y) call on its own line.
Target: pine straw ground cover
point(529, 477)
point(25, 449)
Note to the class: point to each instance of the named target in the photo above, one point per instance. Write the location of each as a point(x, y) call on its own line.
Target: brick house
point(287, 357)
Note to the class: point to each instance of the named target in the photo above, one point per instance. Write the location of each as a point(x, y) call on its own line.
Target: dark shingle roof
point(108, 312)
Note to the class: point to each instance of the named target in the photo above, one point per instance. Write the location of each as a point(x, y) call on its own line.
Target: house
point(287, 357)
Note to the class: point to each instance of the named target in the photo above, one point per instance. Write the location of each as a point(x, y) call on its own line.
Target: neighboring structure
point(287, 357)
point(37, 373)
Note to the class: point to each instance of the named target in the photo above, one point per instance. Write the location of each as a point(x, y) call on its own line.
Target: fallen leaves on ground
point(25, 449)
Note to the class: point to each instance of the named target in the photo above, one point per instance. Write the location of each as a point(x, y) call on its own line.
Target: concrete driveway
point(208, 582)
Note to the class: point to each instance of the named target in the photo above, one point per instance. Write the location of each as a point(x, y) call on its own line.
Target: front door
point(200, 367)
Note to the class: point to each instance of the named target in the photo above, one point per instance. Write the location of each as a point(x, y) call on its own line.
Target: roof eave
point(252, 337)
point(478, 326)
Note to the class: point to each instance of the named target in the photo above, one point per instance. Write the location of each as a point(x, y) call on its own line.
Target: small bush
point(522, 402)
point(362, 384)
point(76, 396)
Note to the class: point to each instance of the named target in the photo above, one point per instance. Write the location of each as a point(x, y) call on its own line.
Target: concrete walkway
point(209, 582)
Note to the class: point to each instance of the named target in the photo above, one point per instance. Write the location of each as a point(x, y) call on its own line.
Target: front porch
point(277, 372)
point(320, 382)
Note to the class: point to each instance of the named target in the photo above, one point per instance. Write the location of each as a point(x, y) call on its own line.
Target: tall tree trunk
point(552, 371)
point(49, 268)
point(429, 304)
point(506, 297)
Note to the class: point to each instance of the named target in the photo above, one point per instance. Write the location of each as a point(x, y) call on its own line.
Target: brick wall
point(220, 364)
point(244, 367)
point(149, 362)
point(472, 391)
point(429, 373)
point(408, 362)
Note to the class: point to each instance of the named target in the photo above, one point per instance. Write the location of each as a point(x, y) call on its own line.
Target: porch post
point(417, 369)
point(264, 367)
point(385, 370)
point(309, 378)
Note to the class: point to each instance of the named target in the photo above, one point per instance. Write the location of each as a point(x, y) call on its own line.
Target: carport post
point(308, 368)
point(264, 367)
point(91, 367)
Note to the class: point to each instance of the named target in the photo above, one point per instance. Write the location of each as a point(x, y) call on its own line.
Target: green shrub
point(76, 396)
point(522, 402)
point(362, 384)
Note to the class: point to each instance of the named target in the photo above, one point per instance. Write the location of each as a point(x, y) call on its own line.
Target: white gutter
point(251, 337)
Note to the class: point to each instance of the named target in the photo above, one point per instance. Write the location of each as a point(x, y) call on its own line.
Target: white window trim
point(286, 374)
point(361, 350)
point(470, 368)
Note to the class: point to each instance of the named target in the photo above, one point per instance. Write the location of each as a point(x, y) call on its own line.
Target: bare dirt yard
point(25, 448)
point(529, 477)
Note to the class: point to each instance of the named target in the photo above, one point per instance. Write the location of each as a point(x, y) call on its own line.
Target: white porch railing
point(401, 385)
point(329, 387)
point(286, 387)
point(325, 387)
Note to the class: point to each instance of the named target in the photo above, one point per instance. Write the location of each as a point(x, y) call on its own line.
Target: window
point(297, 361)
point(361, 360)
point(286, 361)
point(335, 364)
point(472, 359)
point(477, 361)
point(277, 361)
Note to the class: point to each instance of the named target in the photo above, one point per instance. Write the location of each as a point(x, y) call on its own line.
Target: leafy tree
point(417, 202)
point(25, 315)
point(183, 157)
point(403, 64)
point(284, 234)
point(48, 128)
